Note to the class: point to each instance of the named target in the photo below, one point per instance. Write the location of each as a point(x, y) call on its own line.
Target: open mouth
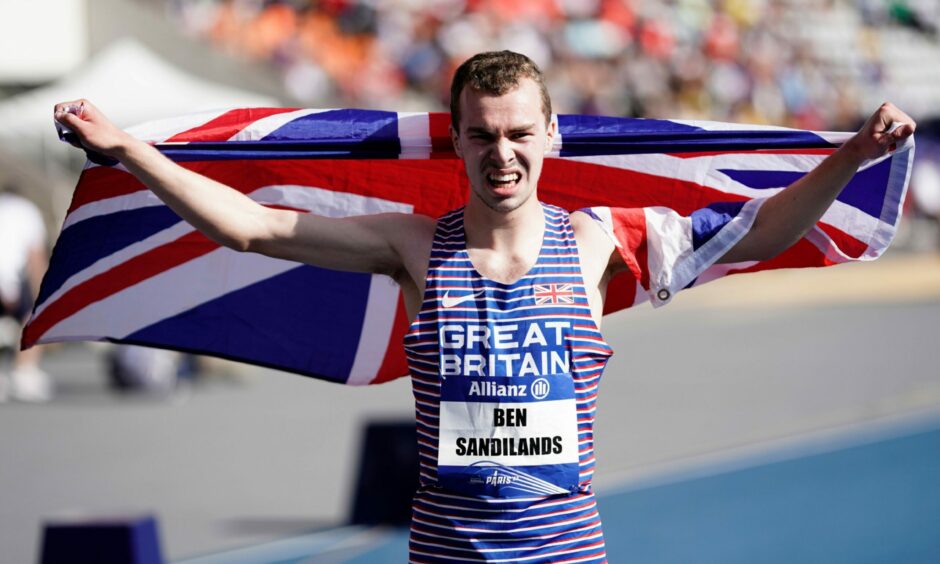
point(503, 181)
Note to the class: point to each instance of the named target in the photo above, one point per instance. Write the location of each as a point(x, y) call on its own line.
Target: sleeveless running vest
point(505, 379)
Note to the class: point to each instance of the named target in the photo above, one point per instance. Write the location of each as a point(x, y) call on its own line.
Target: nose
point(503, 152)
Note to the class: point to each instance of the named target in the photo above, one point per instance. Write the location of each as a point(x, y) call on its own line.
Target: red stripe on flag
point(846, 243)
point(802, 254)
point(574, 184)
point(102, 182)
point(135, 270)
point(433, 187)
point(395, 364)
point(441, 145)
point(621, 293)
point(226, 125)
point(630, 230)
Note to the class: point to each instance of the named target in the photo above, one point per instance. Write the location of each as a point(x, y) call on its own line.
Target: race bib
point(508, 436)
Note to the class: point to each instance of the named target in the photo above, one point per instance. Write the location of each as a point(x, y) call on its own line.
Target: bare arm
point(599, 258)
point(781, 221)
point(365, 243)
point(790, 214)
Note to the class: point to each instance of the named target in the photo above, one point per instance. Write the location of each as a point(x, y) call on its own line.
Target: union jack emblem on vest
point(553, 294)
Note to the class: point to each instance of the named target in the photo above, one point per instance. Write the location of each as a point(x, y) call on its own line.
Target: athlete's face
point(502, 141)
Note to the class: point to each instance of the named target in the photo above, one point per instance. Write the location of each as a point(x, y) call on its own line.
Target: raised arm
point(788, 215)
point(374, 243)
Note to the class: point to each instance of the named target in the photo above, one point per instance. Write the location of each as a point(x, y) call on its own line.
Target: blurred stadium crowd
point(729, 60)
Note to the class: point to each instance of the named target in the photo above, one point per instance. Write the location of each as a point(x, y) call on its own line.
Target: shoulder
point(404, 230)
point(411, 223)
point(584, 221)
point(412, 236)
point(590, 233)
point(596, 245)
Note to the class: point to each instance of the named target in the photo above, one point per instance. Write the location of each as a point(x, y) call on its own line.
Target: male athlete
point(505, 297)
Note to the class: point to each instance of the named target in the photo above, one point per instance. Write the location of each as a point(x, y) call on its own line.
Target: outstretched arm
point(790, 214)
point(364, 243)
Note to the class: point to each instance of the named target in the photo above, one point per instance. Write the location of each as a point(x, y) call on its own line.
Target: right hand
point(94, 130)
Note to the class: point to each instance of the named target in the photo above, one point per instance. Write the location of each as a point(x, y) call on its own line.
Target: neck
point(486, 228)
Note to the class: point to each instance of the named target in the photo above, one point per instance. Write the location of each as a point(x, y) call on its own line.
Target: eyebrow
point(476, 129)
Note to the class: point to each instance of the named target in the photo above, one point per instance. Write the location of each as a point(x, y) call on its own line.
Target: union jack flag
point(127, 269)
point(553, 294)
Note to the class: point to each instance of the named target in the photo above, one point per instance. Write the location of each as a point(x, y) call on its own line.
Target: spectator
point(23, 260)
point(739, 60)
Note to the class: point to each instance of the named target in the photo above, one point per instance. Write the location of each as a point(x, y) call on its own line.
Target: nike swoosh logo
point(448, 301)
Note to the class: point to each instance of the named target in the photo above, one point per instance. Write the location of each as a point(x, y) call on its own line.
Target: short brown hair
point(496, 72)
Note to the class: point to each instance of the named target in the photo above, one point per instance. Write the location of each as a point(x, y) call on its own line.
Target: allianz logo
point(541, 388)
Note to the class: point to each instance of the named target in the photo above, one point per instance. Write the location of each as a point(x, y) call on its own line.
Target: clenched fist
point(884, 131)
point(94, 131)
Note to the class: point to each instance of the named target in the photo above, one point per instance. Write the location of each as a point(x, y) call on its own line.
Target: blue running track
point(876, 501)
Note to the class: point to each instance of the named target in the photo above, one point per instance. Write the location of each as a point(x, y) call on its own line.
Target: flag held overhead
point(127, 269)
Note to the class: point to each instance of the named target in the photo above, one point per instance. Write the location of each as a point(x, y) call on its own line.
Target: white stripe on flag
point(135, 200)
point(688, 268)
point(835, 137)
point(104, 264)
point(161, 130)
point(414, 133)
point(179, 289)
point(669, 241)
point(839, 215)
point(263, 127)
point(667, 166)
point(723, 126)
point(322, 201)
point(325, 202)
point(785, 162)
point(376, 328)
point(127, 311)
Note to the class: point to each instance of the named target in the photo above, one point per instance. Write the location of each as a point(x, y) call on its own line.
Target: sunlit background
point(783, 417)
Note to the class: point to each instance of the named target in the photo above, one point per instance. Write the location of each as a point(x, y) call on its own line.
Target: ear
point(550, 133)
point(455, 139)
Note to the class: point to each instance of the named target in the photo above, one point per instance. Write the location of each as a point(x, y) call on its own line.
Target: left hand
point(873, 140)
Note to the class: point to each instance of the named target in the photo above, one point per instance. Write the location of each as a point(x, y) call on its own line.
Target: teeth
point(504, 177)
